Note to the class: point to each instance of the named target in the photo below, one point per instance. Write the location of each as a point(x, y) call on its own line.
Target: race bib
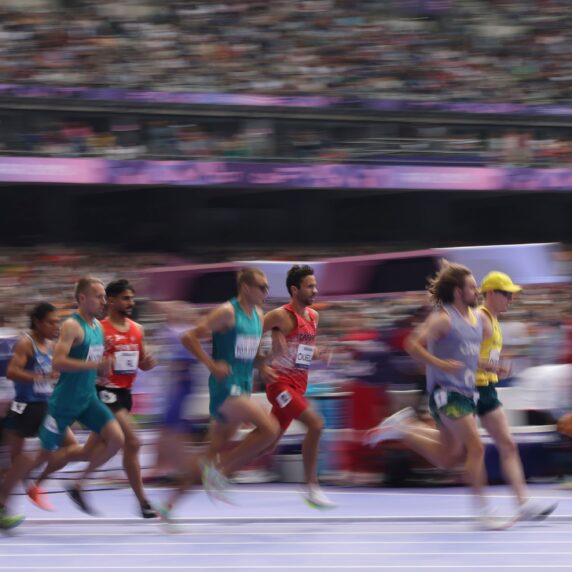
point(246, 347)
point(95, 353)
point(43, 387)
point(283, 399)
point(235, 390)
point(18, 407)
point(494, 356)
point(441, 398)
point(304, 356)
point(107, 397)
point(126, 361)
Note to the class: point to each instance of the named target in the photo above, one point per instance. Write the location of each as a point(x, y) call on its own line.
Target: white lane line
point(258, 554)
point(444, 531)
point(275, 520)
point(350, 567)
point(461, 493)
point(290, 543)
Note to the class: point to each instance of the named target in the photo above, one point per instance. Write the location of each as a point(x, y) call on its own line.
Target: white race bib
point(126, 361)
point(246, 347)
point(494, 357)
point(304, 356)
point(235, 390)
point(18, 407)
point(441, 398)
point(95, 353)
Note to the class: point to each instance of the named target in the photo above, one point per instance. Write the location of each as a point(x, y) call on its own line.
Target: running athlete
point(449, 342)
point(30, 369)
point(236, 329)
point(78, 355)
point(124, 345)
point(298, 323)
point(498, 290)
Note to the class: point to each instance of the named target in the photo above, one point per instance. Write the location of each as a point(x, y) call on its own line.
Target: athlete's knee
point(113, 436)
point(507, 446)
point(316, 424)
point(270, 428)
point(132, 444)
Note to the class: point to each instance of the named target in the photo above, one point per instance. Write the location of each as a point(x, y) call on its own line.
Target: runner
point(236, 329)
point(124, 345)
point(298, 323)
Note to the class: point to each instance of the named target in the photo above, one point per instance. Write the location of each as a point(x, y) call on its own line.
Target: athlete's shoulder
point(135, 325)
point(439, 320)
point(73, 322)
point(483, 313)
point(24, 343)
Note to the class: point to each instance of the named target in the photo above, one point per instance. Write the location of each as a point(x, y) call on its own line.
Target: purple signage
point(192, 98)
point(41, 170)
point(276, 175)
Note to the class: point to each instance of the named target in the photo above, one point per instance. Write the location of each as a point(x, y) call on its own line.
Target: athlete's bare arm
point(502, 369)
point(434, 328)
point(72, 335)
point(23, 352)
point(221, 319)
point(147, 360)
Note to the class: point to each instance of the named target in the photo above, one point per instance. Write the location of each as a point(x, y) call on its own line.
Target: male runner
point(498, 289)
point(449, 342)
point(124, 344)
point(30, 369)
point(236, 329)
point(78, 355)
point(298, 323)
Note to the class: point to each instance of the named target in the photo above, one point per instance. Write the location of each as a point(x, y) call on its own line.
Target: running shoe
point(389, 429)
point(8, 521)
point(216, 484)
point(76, 496)
point(147, 511)
point(38, 496)
point(316, 498)
point(536, 510)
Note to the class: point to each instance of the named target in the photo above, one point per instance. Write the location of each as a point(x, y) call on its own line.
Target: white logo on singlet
point(470, 349)
point(246, 347)
point(95, 353)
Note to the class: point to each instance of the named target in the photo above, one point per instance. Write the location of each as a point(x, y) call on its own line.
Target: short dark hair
point(84, 284)
point(117, 287)
point(296, 275)
point(39, 313)
point(247, 276)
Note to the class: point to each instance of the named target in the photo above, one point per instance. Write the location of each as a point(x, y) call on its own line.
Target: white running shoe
point(216, 484)
point(536, 509)
point(489, 520)
point(316, 498)
point(390, 428)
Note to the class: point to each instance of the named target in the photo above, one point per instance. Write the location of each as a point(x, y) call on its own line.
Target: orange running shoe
point(38, 496)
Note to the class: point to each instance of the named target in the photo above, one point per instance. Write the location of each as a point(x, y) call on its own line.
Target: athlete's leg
point(266, 430)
